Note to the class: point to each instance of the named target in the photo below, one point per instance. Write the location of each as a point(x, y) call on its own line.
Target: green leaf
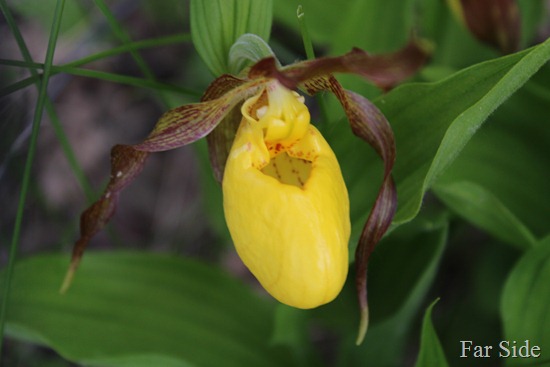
point(321, 21)
point(408, 260)
point(291, 330)
point(526, 301)
point(141, 309)
point(374, 25)
point(481, 207)
point(433, 121)
point(431, 352)
point(217, 24)
point(500, 180)
point(532, 13)
point(247, 50)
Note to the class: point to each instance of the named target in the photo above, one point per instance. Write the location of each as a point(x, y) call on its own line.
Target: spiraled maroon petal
point(385, 70)
point(177, 127)
point(368, 123)
point(126, 164)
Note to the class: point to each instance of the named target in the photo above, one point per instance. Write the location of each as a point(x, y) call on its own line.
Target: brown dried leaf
point(177, 127)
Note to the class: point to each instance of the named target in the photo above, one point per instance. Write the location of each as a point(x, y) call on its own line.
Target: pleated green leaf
point(526, 303)
point(500, 181)
point(217, 24)
point(246, 51)
point(141, 309)
point(432, 123)
point(431, 352)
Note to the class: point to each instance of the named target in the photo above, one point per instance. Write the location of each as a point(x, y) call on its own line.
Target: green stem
point(29, 160)
point(306, 39)
point(310, 53)
point(117, 78)
point(12, 88)
point(69, 153)
point(50, 110)
point(137, 45)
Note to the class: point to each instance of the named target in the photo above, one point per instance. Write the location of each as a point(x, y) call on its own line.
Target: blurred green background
point(163, 285)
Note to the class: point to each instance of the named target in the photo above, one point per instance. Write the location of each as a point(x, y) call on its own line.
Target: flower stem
point(310, 53)
point(308, 46)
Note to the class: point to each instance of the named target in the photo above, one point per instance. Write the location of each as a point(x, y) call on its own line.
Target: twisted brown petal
point(368, 123)
point(188, 123)
point(126, 164)
point(385, 70)
point(177, 127)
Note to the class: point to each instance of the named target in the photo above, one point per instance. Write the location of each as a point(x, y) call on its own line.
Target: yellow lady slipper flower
point(285, 201)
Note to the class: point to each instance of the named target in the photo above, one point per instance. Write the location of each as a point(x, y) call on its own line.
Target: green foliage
point(526, 301)
point(472, 174)
point(373, 25)
point(247, 50)
point(432, 122)
point(479, 184)
point(217, 24)
point(486, 211)
point(433, 126)
point(26, 180)
point(401, 272)
point(431, 352)
point(140, 309)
